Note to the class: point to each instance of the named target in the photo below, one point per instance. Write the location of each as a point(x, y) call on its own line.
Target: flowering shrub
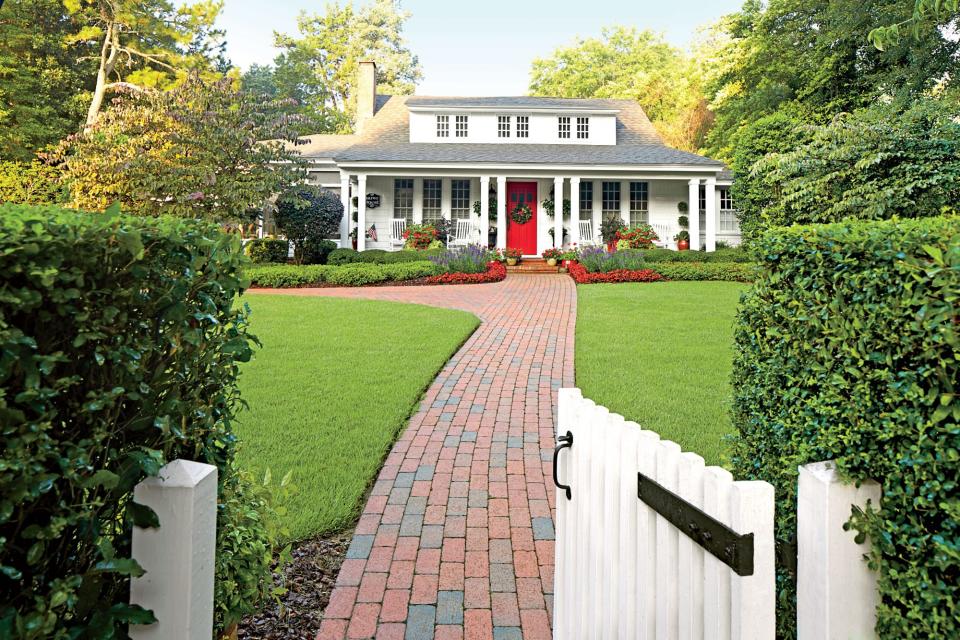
point(420, 236)
point(552, 254)
point(596, 260)
point(495, 273)
point(573, 253)
point(581, 276)
point(470, 259)
point(512, 252)
point(640, 236)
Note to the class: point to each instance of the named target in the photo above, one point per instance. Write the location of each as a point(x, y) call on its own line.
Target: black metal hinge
point(731, 548)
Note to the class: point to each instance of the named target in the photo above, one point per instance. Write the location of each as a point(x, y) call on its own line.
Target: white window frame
point(639, 203)
point(460, 205)
point(443, 126)
point(403, 199)
point(610, 186)
point(563, 127)
point(586, 200)
point(728, 221)
point(503, 126)
point(583, 128)
point(461, 126)
point(523, 126)
point(432, 200)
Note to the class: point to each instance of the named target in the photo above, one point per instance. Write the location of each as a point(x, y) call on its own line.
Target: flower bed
point(581, 276)
point(495, 273)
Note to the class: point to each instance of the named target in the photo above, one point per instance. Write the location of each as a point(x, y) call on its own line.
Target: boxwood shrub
point(120, 342)
point(266, 250)
point(730, 271)
point(379, 256)
point(720, 255)
point(848, 349)
point(353, 274)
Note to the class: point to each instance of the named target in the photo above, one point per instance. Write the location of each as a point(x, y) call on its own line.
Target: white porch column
point(597, 210)
point(445, 199)
point(347, 218)
point(361, 212)
point(693, 213)
point(418, 200)
point(501, 212)
point(484, 210)
point(575, 211)
point(711, 214)
point(558, 212)
point(625, 202)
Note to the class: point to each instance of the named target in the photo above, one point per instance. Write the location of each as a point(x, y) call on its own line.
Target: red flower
point(580, 275)
point(495, 273)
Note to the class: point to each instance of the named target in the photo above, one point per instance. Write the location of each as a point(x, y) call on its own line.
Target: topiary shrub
point(121, 342)
point(372, 256)
point(266, 250)
point(729, 271)
point(848, 349)
point(307, 215)
point(343, 256)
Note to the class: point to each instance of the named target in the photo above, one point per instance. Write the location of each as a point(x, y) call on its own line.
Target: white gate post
point(178, 556)
point(836, 590)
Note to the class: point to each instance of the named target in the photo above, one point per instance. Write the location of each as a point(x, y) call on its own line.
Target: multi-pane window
point(503, 126)
point(461, 126)
point(432, 199)
point(586, 201)
point(523, 126)
point(403, 199)
point(443, 126)
point(610, 198)
point(728, 216)
point(702, 207)
point(460, 199)
point(639, 202)
point(563, 122)
point(583, 128)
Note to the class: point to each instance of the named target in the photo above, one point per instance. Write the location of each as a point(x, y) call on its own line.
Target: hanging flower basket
point(521, 215)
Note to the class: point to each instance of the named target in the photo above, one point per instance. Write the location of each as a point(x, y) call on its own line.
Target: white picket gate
point(622, 569)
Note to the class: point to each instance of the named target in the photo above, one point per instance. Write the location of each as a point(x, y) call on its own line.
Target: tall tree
point(319, 66)
point(942, 12)
point(44, 81)
point(199, 150)
point(146, 43)
point(813, 56)
point(628, 63)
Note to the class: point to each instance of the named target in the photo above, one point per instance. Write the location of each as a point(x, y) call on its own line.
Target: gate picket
point(625, 571)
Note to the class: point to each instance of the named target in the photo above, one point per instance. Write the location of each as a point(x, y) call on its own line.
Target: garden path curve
point(456, 538)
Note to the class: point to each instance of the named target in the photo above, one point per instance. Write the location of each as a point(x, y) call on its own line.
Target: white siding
point(483, 129)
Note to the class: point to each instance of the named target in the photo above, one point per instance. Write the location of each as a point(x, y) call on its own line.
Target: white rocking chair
point(397, 227)
point(586, 234)
point(461, 236)
point(664, 235)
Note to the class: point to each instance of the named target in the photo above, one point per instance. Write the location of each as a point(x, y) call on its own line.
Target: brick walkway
point(456, 540)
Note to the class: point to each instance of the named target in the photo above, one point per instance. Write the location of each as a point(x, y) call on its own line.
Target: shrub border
point(580, 275)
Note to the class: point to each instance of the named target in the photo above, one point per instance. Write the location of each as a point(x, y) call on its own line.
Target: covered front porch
point(384, 200)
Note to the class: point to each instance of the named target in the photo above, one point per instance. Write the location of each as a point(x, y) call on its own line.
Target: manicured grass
point(660, 354)
point(330, 390)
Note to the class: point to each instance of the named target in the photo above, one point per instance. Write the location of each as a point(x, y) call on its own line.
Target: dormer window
point(523, 126)
point(443, 126)
point(563, 123)
point(503, 126)
point(583, 128)
point(461, 126)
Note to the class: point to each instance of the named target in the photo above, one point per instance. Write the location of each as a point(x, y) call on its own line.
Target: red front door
point(522, 236)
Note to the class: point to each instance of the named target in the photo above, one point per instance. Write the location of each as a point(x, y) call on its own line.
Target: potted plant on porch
point(512, 255)
point(610, 230)
point(683, 236)
point(551, 256)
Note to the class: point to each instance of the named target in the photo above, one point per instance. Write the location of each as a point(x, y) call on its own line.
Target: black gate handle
point(565, 440)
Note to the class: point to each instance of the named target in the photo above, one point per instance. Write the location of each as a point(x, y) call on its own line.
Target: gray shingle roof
point(386, 138)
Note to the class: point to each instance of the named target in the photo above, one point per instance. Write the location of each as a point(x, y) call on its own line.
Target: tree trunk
point(108, 59)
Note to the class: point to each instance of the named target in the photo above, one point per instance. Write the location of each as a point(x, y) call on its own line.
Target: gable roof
point(386, 137)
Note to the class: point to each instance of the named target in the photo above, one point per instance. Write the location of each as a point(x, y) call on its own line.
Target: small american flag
point(372, 232)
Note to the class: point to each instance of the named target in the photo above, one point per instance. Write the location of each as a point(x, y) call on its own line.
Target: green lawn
point(333, 385)
point(660, 354)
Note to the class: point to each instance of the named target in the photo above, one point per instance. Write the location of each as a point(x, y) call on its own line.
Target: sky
point(478, 48)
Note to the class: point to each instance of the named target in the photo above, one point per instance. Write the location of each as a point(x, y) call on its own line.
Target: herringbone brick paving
point(456, 539)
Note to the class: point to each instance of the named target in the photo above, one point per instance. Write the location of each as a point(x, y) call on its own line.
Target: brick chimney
point(366, 93)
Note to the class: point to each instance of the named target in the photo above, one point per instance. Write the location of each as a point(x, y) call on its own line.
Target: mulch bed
point(309, 581)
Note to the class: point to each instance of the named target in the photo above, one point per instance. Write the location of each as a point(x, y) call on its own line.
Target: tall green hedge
point(120, 343)
point(847, 349)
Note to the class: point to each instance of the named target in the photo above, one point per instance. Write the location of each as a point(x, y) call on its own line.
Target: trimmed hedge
point(729, 271)
point(720, 255)
point(380, 256)
point(120, 345)
point(848, 349)
point(281, 276)
point(266, 250)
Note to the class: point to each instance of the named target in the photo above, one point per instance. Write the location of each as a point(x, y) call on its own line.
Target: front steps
point(532, 266)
